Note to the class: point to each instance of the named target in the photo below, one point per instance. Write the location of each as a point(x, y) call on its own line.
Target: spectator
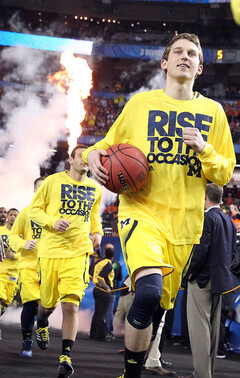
point(103, 276)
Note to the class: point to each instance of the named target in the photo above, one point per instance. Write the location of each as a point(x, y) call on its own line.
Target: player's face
point(3, 214)
point(77, 162)
point(12, 215)
point(183, 61)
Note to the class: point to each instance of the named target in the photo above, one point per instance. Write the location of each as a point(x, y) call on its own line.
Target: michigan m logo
point(194, 170)
point(125, 222)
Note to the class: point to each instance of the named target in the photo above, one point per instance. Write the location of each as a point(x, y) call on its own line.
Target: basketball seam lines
point(123, 165)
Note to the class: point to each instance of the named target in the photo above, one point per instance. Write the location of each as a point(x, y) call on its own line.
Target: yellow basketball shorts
point(29, 285)
point(63, 279)
point(144, 246)
point(8, 288)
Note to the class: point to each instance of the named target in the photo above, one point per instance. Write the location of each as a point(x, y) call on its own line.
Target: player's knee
point(148, 291)
point(70, 304)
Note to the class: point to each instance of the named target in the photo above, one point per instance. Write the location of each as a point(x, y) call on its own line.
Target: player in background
point(2, 250)
point(187, 141)
point(3, 216)
point(9, 267)
point(67, 207)
point(23, 238)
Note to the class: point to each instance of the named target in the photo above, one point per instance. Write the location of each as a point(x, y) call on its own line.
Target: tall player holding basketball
point(187, 140)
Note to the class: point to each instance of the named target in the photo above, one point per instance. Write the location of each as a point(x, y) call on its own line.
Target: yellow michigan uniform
point(8, 272)
point(170, 204)
point(25, 229)
point(61, 197)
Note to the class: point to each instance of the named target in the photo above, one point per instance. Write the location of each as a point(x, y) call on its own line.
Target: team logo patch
point(125, 222)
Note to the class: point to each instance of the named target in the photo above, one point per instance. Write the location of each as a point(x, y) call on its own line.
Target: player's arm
point(38, 213)
point(95, 220)
point(217, 160)
point(16, 240)
point(96, 240)
point(2, 250)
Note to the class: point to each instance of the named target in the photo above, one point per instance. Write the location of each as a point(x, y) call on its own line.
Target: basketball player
point(66, 205)
point(9, 267)
point(187, 141)
point(23, 238)
point(2, 250)
point(3, 216)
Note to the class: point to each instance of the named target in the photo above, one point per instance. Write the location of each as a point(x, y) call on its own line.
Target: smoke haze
point(32, 124)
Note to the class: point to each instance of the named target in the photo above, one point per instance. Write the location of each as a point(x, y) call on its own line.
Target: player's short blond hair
point(190, 37)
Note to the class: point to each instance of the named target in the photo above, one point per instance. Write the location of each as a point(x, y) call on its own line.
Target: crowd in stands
point(101, 112)
point(111, 30)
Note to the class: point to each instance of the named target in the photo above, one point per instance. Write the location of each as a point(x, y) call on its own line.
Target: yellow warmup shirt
point(61, 197)
point(25, 229)
point(172, 199)
point(8, 266)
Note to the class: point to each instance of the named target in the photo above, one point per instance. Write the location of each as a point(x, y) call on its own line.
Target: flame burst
point(76, 80)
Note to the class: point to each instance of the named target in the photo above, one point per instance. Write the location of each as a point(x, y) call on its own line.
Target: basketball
point(127, 168)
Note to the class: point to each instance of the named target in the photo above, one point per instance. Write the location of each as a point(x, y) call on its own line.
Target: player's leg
point(138, 330)
point(73, 280)
point(143, 248)
point(29, 311)
point(30, 296)
point(49, 299)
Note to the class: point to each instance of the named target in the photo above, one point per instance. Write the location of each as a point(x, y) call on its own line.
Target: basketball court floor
point(91, 359)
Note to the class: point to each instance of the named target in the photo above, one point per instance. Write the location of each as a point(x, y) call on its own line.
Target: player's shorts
point(29, 285)
point(144, 246)
point(8, 288)
point(63, 279)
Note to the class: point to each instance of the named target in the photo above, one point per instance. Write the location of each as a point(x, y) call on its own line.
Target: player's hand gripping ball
point(127, 168)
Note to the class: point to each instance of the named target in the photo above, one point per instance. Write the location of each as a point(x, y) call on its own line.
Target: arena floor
point(90, 358)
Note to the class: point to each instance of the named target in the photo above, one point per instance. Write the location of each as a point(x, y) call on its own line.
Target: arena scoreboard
point(226, 56)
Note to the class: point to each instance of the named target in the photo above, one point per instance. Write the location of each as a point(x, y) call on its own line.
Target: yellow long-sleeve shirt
point(172, 199)
point(8, 266)
point(23, 230)
point(61, 197)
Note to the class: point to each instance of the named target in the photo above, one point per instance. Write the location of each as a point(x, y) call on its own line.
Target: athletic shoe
point(165, 363)
point(110, 337)
point(27, 348)
point(42, 337)
point(221, 355)
point(65, 368)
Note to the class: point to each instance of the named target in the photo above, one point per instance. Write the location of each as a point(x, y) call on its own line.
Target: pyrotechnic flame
point(76, 80)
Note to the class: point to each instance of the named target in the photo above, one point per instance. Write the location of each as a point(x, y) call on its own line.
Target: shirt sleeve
point(37, 209)
point(96, 226)
point(16, 242)
point(218, 157)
